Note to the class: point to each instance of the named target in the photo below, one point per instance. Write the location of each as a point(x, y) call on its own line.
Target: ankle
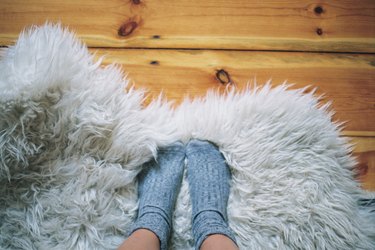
point(155, 223)
point(218, 242)
point(209, 223)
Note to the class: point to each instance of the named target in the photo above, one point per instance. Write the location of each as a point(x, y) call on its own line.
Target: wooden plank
point(297, 25)
point(358, 133)
point(364, 151)
point(347, 79)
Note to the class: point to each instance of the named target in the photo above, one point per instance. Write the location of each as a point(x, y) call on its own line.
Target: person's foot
point(208, 177)
point(158, 186)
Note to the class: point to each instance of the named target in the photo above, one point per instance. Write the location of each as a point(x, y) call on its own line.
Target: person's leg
point(141, 239)
point(209, 176)
point(158, 186)
point(218, 242)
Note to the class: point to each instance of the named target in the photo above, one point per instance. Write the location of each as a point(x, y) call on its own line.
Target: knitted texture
point(208, 177)
point(158, 187)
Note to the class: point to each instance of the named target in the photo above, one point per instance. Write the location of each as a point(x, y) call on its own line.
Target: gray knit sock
point(208, 177)
point(158, 186)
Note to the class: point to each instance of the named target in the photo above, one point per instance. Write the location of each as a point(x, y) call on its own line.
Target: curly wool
point(74, 136)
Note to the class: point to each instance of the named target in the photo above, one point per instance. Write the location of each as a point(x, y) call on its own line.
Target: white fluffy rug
point(72, 142)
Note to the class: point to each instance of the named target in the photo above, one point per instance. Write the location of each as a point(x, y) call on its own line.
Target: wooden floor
point(185, 47)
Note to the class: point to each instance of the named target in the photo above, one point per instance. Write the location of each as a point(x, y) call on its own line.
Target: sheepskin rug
point(74, 135)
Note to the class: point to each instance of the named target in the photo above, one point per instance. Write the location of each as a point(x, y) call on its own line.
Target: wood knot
point(362, 169)
point(319, 31)
point(223, 76)
point(127, 28)
point(318, 10)
point(136, 2)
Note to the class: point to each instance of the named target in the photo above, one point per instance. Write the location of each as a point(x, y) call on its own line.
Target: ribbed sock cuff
point(207, 223)
point(155, 222)
point(196, 146)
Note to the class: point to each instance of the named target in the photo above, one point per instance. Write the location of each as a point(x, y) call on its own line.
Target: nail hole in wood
point(318, 10)
point(127, 28)
point(223, 77)
point(156, 37)
point(154, 63)
point(319, 31)
point(136, 2)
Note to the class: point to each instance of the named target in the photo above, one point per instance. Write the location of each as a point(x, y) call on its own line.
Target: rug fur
point(74, 135)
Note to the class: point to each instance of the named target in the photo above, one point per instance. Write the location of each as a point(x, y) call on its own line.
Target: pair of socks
point(208, 177)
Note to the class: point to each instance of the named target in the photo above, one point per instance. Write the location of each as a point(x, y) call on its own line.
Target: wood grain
point(346, 79)
point(364, 151)
point(294, 25)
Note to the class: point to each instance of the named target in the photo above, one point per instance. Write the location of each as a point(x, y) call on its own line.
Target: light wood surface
point(186, 47)
point(301, 25)
point(346, 79)
point(364, 151)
